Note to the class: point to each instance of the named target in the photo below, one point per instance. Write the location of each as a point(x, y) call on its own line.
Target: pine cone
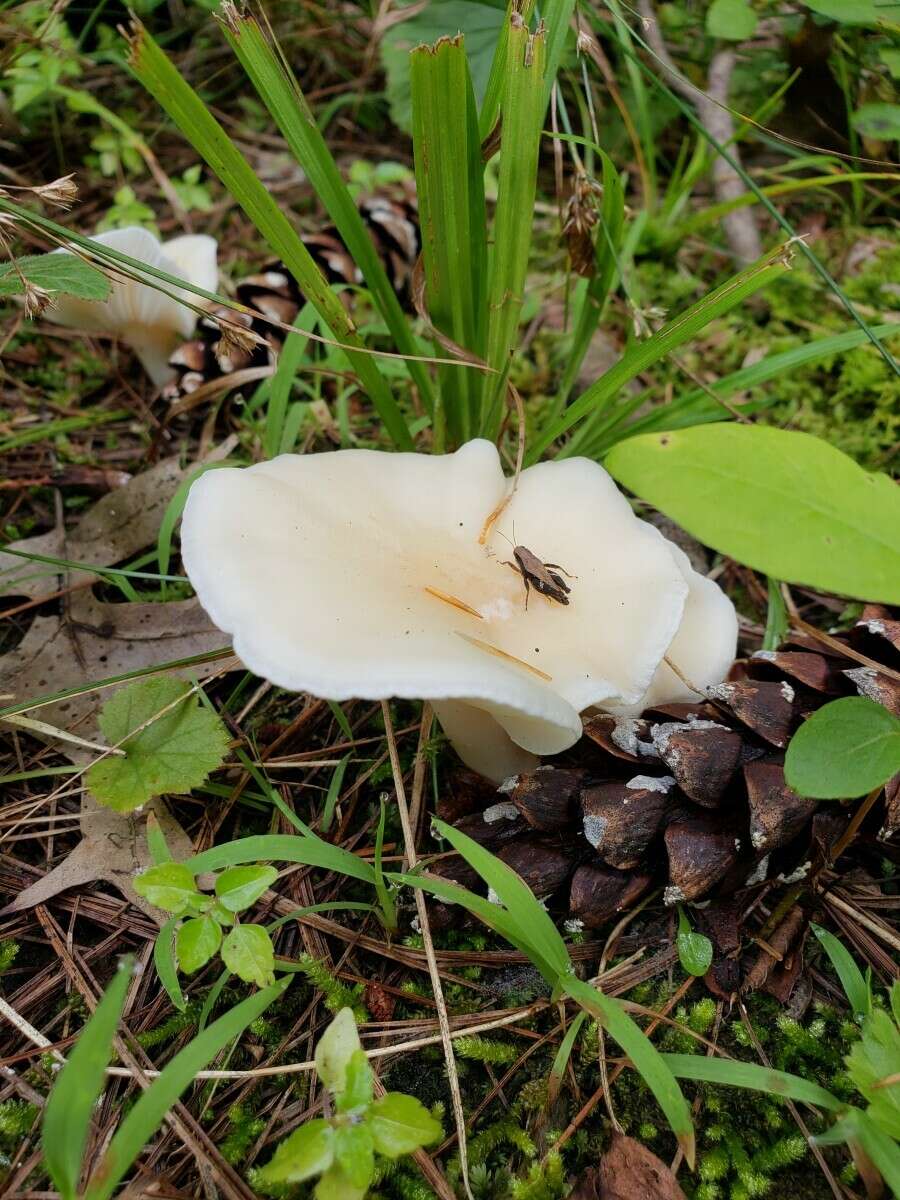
point(689, 797)
point(392, 219)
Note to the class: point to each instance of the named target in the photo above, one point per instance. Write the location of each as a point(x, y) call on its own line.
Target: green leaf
point(335, 1048)
point(145, 1116)
point(561, 1059)
point(856, 1127)
point(872, 1060)
point(308, 1151)
point(749, 1075)
point(67, 1116)
point(891, 59)
point(284, 847)
point(845, 749)
point(171, 752)
point(784, 503)
point(648, 1062)
point(480, 23)
point(354, 1150)
point(57, 273)
point(880, 121)
point(856, 12)
point(733, 20)
point(166, 964)
point(248, 952)
point(239, 887)
point(852, 979)
point(196, 942)
point(694, 949)
point(400, 1125)
point(170, 886)
point(358, 1084)
point(334, 1185)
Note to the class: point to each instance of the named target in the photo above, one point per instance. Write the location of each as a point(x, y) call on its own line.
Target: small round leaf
point(400, 1125)
point(845, 749)
point(196, 942)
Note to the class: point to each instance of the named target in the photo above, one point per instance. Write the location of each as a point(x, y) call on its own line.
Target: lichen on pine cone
point(688, 797)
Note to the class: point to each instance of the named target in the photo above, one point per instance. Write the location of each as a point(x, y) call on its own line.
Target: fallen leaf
point(628, 1171)
point(93, 640)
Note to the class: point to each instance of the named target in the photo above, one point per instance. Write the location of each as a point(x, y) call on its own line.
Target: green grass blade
point(652, 1066)
point(310, 850)
point(495, 916)
point(67, 1117)
point(450, 186)
point(556, 16)
point(644, 353)
point(144, 1118)
point(522, 113)
point(561, 1059)
point(159, 76)
point(334, 791)
point(852, 979)
point(531, 918)
point(280, 92)
point(166, 967)
point(749, 1075)
point(493, 93)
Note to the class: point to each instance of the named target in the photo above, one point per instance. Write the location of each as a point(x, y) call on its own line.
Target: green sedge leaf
point(56, 273)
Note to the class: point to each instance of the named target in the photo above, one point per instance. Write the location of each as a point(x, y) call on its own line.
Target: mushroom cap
point(150, 321)
point(359, 573)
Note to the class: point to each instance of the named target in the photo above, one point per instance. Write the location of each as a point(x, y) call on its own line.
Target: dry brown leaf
point(628, 1171)
point(95, 640)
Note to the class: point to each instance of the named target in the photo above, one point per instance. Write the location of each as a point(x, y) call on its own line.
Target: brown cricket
point(539, 575)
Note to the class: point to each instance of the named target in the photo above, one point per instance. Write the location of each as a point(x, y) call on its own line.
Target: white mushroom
point(359, 573)
point(149, 321)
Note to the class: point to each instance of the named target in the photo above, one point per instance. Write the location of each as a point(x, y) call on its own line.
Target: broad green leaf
point(845, 749)
point(400, 1125)
point(57, 273)
point(895, 1000)
point(891, 59)
point(308, 1151)
point(354, 1151)
point(749, 1075)
point(784, 503)
point(170, 886)
point(239, 887)
point(880, 121)
point(196, 942)
point(647, 1060)
point(166, 963)
point(145, 1116)
point(733, 20)
point(67, 1116)
point(248, 952)
point(172, 752)
point(480, 23)
point(335, 1048)
point(856, 12)
point(873, 1059)
point(358, 1084)
point(852, 979)
point(334, 1185)
point(695, 950)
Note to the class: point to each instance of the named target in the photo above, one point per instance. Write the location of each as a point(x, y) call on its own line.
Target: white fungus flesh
point(148, 320)
point(358, 573)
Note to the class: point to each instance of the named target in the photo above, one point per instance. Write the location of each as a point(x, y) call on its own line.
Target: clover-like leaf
point(239, 887)
point(335, 1048)
point(248, 952)
point(354, 1151)
point(196, 942)
point(171, 744)
point(308, 1151)
point(400, 1125)
point(358, 1084)
point(169, 886)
